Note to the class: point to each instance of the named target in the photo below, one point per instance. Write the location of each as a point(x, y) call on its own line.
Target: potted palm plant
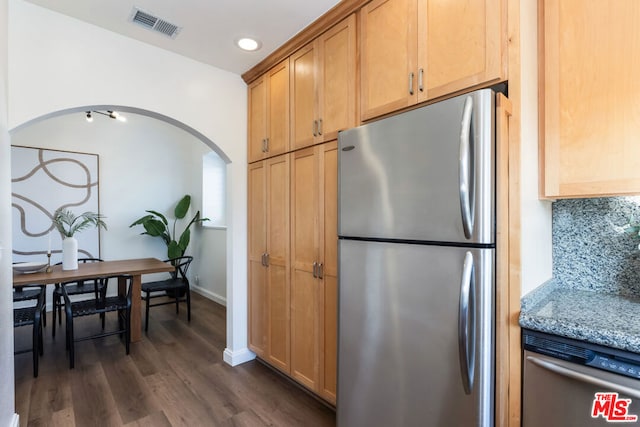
point(68, 224)
point(157, 225)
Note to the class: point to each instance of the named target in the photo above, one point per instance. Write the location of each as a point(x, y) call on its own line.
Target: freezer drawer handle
point(579, 376)
point(466, 170)
point(466, 325)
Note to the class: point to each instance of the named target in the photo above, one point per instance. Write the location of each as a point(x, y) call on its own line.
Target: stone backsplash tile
point(591, 251)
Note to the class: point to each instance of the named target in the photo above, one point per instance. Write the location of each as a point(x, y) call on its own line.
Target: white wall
point(66, 64)
point(143, 164)
point(536, 214)
point(7, 415)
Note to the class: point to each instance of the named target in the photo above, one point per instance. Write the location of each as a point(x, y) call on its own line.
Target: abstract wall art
point(43, 181)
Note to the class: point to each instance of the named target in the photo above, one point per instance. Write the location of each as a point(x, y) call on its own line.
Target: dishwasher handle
point(579, 376)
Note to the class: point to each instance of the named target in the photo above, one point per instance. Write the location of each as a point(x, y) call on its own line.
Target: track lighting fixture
point(109, 113)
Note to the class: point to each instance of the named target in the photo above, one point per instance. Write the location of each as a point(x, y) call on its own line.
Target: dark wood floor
point(174, 377)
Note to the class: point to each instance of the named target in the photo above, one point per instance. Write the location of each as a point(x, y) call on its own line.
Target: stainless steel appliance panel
point(427, 174)
point(416, 328)
point(557, 393)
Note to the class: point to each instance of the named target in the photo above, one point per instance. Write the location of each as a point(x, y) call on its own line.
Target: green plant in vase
point(68, 224)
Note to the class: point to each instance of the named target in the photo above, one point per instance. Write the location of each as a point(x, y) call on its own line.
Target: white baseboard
point(210, 295)
point(15, 422)
point(238, 357)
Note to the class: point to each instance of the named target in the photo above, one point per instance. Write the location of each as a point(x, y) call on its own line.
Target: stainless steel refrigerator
point(417, 261)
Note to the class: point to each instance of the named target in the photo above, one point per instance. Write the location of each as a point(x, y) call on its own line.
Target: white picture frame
point(42, 181)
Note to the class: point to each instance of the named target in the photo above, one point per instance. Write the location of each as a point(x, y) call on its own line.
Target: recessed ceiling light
point(249, 44)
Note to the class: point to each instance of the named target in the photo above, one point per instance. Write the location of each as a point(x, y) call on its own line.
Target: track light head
point(109, 113)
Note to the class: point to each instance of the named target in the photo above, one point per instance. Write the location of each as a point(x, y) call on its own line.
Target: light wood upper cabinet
point(323, 86)
point(314, 268)
point(464, 44)
point(388, 46)
point(269, 114)
point(590, 112)
point(269, 332)
point(416, 50)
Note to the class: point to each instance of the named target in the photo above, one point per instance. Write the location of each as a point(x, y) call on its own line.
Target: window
point(214, 177)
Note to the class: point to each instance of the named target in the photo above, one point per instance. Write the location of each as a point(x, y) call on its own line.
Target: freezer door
point(415, 335)
point(557, 393)
point(427, 174)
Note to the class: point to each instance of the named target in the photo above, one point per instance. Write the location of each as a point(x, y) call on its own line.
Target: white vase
point(69, 253)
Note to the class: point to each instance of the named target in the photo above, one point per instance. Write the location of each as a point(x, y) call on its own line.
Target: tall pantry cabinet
point(293, 281)
point(268, 216)
point(314, 267)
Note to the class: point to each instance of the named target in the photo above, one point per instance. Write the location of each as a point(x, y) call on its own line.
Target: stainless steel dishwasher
point(569, 383)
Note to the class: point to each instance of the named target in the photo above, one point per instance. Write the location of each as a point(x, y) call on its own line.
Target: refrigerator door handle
point(466, 326)
point(465, 169)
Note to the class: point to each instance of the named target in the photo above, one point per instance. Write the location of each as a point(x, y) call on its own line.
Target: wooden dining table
point(131, 267)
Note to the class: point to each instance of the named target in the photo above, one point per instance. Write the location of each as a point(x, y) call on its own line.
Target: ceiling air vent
point(154, 23)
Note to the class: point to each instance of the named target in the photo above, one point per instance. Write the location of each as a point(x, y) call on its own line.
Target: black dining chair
point(91, 286)
point(31, 315)
point(98, 306)
point(174, 290)
point(26, 293)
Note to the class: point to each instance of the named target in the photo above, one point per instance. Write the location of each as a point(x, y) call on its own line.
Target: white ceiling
point(209, 28)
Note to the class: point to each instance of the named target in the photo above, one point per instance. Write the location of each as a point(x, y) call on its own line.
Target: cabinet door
point(257, 119)
point(337, 80)
point(278, 260)
point(278, 110)
point(303, 93)
point(388, 45)
point(591, 92)
point(304, 285)
point(258, 319)
point(461, 44)
point(328, 304)
point(314, 266)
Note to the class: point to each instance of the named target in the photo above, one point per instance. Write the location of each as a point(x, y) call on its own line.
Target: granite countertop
point(601, 318)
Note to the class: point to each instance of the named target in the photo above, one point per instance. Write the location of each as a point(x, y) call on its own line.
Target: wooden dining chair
point(31, 315)
point(174, 290)
point(92, 286)
point(98, 306)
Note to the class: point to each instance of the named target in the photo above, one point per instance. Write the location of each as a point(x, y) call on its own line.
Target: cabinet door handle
point(315, 128)
point(410, 83)
point(319, 126)
point(266, 145)
point(421, 80)
point(315, 269)
point(320, 271)
point(262, 145)
point(266, 260)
